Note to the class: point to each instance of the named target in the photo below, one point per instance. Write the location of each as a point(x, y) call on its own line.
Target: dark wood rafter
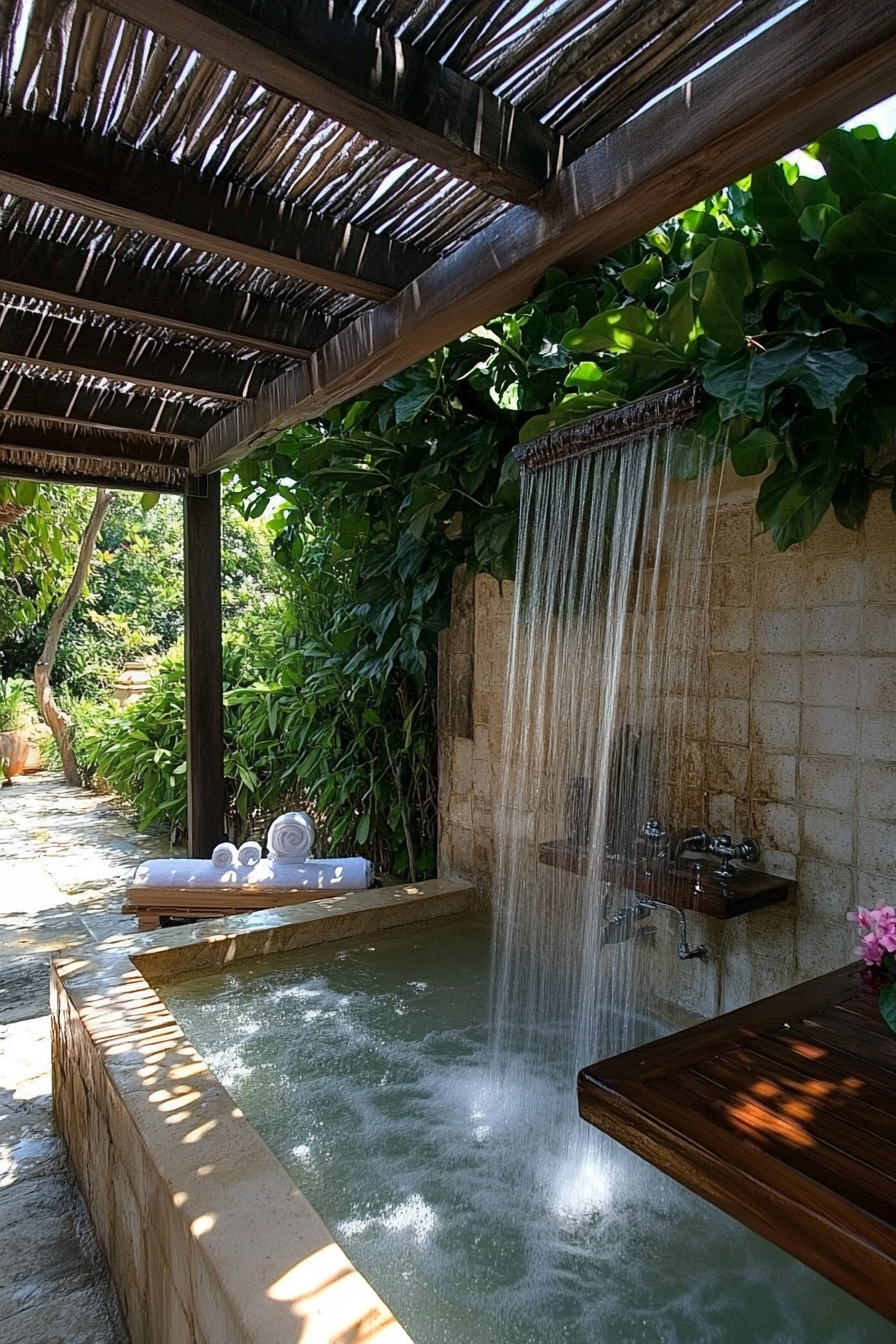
point(814, 68)
point(24, 464)
point(64, 439)
point(70, 403)
point(58, 273)
point(75, 344)
point(321, 55)
point(94, 175)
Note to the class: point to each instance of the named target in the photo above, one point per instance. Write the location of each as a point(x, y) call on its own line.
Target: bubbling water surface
point(367, 1068)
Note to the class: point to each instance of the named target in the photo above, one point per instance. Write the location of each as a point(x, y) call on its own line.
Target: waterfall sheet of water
point(608, 642)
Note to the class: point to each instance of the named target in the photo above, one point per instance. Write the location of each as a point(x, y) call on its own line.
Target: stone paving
point(65, 857)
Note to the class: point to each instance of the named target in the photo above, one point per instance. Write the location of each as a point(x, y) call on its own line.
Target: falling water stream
point(420, 1084)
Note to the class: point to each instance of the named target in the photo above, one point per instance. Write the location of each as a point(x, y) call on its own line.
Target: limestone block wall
point(793, 740)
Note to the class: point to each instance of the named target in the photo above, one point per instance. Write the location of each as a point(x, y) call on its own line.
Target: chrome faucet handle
point(723, 846)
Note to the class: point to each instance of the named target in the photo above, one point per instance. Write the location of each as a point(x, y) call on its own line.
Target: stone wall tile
point(772, 775)
point(731, 629)
point(877, 686)
point(833, 580)
point(828, 835)
point(877, 846)
point(729, 675)
point(776, 826)
point(729, 721)
point(829, 731)
point(832, 629)
point(779, 582)
point(880, 576)
point(776, 677)
point(831, 679)
point(877, 790)
point(774, 725)
point(878, 735)
point(828, 781)
point(779, 631)
point(879, 627)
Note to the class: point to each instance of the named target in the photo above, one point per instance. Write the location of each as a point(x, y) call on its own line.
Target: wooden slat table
point(783, 1114)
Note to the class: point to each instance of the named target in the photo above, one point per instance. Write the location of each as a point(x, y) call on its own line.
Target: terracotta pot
point(14, 748)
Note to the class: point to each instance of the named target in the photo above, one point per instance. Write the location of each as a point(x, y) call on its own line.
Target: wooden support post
point(203, 666)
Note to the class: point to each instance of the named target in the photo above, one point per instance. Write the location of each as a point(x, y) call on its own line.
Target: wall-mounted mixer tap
point(724, 848)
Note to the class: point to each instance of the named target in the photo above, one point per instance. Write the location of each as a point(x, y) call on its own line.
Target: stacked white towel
point(250, 853)
point(291, 838)
point(225, 856)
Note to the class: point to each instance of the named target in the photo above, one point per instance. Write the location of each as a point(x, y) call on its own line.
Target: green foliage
point(18, 704)
point(299, 731)
point(779, 296)
point(417, 476)
point(887, 1000)
point(133, 605)
point(37, 555)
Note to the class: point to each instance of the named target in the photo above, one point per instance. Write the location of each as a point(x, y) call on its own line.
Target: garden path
point(65, 857)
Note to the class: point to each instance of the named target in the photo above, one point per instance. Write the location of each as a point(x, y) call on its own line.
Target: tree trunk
point(53, 716)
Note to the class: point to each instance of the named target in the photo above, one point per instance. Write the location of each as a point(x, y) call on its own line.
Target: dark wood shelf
point(783, 1114)
point(688, 884)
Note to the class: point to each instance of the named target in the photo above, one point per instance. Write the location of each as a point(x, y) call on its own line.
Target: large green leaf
point(793, 500)
point(720, 281)
point(775, 205)
point(622, 331)
point(822, 373)
point(857, 166)
point(871, 227)
point(887, 1004)
point(851, 500)
point(750, 455)
point(641, 279)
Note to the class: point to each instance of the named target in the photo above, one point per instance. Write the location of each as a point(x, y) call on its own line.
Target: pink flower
point(870, 950)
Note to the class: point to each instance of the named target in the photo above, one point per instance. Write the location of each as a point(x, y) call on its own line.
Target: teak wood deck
point(783, 1114)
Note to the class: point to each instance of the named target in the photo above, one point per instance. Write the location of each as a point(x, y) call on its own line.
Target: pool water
point(365, 1067)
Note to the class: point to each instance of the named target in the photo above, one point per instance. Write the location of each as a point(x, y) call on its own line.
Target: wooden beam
point(25, 464)
point(816, 67)
point(203, 660)
point(96, 408)
point(73, 344)
point(59, 273)
point(77, 441)
point(320, 54)
point(94, 175)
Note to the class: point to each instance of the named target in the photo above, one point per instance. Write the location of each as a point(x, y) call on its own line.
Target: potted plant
point(17, 714)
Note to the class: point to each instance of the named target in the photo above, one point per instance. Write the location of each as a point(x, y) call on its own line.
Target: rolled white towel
point(225, 856)
point(250, 853)
point(291, 837)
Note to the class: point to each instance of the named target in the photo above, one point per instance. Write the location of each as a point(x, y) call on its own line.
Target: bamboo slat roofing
point(133, 304)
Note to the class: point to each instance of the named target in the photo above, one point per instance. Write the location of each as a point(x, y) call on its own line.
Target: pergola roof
point(222, 225)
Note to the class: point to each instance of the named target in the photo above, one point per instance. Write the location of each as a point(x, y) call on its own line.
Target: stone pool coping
point(208, 1239)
